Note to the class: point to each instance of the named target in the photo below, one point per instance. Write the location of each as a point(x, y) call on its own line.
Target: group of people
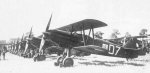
point(3, 51)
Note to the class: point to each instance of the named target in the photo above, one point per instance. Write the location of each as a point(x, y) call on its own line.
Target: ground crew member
point(0, 53)
point(4, 50)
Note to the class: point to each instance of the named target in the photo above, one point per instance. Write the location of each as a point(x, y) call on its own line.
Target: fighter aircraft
point(69, 39)
point(60, 39)
point(66, 38)
point(30, 45)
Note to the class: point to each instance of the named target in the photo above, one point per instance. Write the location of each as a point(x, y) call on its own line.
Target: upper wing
point(84, 24)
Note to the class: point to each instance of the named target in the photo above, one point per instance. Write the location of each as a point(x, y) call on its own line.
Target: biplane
point(30, 45)
point(73, 39)
point(64, 39)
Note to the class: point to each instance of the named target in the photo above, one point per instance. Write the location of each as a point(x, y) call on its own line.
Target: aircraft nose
point(47, 34)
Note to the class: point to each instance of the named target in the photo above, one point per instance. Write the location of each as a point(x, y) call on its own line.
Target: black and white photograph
point(74, 36)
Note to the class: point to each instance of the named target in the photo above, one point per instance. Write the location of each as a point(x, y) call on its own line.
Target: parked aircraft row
point(72, 40)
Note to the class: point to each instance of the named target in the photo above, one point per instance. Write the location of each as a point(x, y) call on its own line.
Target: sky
point(18, 16)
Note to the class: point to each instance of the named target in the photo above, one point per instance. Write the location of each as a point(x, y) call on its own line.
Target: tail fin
point(132, 43)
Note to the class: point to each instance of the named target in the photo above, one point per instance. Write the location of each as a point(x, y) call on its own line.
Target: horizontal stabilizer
point(132, 49)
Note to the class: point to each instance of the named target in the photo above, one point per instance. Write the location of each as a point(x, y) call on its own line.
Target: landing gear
point(59, 60)
point(29, 55)
point(35, 57)
point(39, 57)
point(65, 60)
point(147, 50)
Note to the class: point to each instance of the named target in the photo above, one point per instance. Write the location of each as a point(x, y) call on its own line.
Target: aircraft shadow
point(79, 58)
point(110, 64)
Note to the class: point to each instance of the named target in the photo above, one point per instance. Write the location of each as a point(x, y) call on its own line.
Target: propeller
point(17, 44)
point(30, 33)
point(27, 41)
point(21, 41)
point(22, 38)
point(43, 41)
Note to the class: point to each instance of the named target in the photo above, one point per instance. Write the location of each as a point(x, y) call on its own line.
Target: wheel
point(41, 57)
point(29, 55)
point(25, 56)
point(34, 59)
point(67, 62)
point(147, 50)
point(21, 54)
point(59, 60)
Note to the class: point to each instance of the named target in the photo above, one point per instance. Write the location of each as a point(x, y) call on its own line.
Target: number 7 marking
point(117, 50)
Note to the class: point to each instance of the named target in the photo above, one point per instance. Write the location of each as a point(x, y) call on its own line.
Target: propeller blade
point(26, 47)
point(22, 38)
point(48, 25)
point(27, 41)
point(21, 42)
point(42, 44)
point(30, 33)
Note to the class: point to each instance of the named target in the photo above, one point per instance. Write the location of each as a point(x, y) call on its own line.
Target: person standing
point(4, 50)
point(0, 52)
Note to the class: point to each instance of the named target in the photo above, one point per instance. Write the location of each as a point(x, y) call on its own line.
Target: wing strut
point(89, 35)
point(93, 34)
point(83, 35)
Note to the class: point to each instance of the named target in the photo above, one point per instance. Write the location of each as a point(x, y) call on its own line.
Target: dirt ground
point(89, 64)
